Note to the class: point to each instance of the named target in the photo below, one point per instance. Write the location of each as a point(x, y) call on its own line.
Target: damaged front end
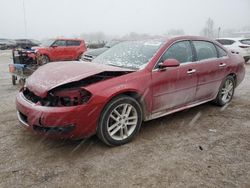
point(24, 56)
point(67, 97)
point(70, 94)
point(62, 110)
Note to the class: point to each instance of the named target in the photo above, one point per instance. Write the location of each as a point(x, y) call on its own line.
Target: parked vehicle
point(26, 43)
point(60, 50)
point(132, 82)
point(95, 44)
point(238, 45)
point(93, 53)
point(24, 64)
point(7, 44)
point(26, 61)
point(2, 46)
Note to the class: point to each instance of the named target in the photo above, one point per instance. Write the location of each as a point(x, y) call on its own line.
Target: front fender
point(132, 84)
point(43, 52)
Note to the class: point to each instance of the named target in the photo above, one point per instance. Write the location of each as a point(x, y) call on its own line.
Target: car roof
point(186, 37)
point(178, 37)
point(75, 39)
point(190, 37)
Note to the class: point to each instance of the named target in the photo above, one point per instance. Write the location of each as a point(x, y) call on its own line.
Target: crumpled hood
point(55, 74)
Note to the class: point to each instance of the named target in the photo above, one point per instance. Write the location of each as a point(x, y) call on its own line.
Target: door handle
point(191, 71)
point(222, 64)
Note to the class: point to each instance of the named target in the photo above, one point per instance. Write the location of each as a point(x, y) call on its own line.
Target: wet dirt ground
point(206, 146)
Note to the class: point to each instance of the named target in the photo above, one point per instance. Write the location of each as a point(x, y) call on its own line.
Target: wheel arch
point(46, 54)
point(43, 52)
point(134, 94)
point(234, 75)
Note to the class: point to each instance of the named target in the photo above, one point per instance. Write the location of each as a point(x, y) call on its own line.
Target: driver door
point(174, 87)
point(58, 51)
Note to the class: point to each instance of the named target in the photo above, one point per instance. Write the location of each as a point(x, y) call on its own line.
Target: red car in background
point(26, 61)
point(132, 82)
point(60, 50)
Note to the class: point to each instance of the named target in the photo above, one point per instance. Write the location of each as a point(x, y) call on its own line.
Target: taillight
point(244, 46)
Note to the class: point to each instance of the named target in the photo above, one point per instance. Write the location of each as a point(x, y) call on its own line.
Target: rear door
point(58, 51)
point(176, 86)
point(73, 49)
point(211, 69)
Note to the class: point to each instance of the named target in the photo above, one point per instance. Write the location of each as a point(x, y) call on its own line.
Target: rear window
point(73, 43)
point(205, 50)
point(245, 41)
point(225, 41)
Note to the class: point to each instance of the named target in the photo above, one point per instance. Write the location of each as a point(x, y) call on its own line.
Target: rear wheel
point(120, 121)
point(246, 59)
point(226, 91)
point(79, 57)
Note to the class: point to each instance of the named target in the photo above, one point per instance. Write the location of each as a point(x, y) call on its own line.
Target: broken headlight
point(67, 97)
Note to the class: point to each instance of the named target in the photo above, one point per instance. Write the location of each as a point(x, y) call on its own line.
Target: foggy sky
point(50, 18)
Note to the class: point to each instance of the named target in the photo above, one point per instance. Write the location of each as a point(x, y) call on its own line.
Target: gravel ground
point(206, 146)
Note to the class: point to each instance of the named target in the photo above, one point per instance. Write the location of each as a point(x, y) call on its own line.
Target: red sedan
point(132, 82)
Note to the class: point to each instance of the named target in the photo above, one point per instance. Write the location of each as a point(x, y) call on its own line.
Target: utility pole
point(24, 18)
point(219, 32)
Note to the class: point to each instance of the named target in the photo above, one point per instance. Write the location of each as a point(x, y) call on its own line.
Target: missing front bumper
point(53, 130)
point(45, 129)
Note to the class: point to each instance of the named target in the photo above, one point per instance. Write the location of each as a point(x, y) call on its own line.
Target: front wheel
point(120, 121)
point(44, 59)
point(226, 91)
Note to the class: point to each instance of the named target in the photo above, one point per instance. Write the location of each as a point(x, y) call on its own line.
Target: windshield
point(129, 54)
point(47, 43)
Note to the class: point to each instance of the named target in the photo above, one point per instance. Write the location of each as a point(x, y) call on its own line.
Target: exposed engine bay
point(71, 94)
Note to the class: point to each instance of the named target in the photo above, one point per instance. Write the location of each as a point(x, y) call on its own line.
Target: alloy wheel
point(122, 121)
point(227, 91)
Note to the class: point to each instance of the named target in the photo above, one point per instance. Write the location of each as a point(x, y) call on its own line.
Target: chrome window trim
point(181, 40)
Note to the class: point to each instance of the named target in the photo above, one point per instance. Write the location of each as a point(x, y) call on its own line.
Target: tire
point(226, 91)
point(44, 59)
point(13, 79)
point(246, 59)
point(22, 81)
point(120, 121)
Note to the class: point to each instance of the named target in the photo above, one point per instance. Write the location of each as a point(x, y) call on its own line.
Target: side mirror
point(169, 63)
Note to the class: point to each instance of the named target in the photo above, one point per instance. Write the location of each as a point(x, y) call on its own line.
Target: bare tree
point(209, 30)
